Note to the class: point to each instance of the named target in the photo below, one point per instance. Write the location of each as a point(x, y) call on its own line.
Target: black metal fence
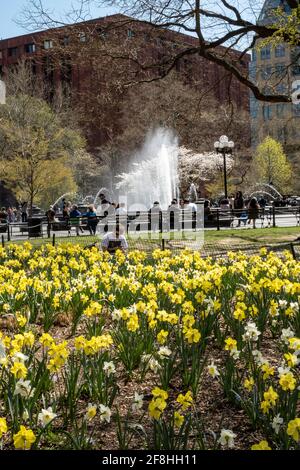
point(145, 222)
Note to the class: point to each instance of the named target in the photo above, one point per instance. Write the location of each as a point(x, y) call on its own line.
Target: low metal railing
point(163, 221)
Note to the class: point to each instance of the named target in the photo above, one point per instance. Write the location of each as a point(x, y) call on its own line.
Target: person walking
point(92, 220)
point(50, 214)
point(75, 215)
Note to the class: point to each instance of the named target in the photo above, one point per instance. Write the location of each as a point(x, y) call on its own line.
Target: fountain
point(154, 175)
point(63, 196)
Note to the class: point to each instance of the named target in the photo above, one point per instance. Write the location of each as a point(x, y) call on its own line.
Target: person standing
point(174, 213)
point(253, 211)
point(155, 216)
point(10, 215)
point(238, 205)
point(3, 216)
point(24, 211)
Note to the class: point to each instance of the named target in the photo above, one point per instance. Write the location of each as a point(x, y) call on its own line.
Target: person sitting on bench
point(74, 221)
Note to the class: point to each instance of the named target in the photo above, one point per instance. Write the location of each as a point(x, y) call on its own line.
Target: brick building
point(81, 58)
point(79, 62)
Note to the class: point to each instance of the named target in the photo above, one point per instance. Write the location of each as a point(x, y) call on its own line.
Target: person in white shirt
point(121, 209)
point(116, 240)
point(189, 206)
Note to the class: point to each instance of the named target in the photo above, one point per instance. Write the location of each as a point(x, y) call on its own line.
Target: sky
point(10, 10)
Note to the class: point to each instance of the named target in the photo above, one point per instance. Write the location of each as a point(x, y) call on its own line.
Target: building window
point(280, 51)
point(82, 37)
point(296, 110)
point(48, 44)
point(267, 112)
point(266, 72)
point(265, 53)
point(295, 58)
point(30, 48)
point(12, 52)
point(103, 34)
point(280, 70)
point(281, 134)
point(66, 41)
point(252, 71)
point(280, 108)
point(281, 89)
point(253, 109)
point(130, 33)
point(296, 70)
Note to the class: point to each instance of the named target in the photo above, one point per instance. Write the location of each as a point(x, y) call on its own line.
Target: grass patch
point(216, 238)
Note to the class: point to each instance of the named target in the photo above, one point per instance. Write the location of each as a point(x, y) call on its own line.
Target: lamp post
point(224, 146)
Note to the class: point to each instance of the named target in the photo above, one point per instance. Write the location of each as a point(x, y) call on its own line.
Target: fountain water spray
point(153, 175)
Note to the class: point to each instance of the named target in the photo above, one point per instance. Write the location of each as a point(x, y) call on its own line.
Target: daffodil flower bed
point(162, 352)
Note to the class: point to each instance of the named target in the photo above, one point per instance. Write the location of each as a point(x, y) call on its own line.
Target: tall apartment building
point(275, 69)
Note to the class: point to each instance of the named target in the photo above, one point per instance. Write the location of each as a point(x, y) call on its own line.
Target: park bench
point(3, 227)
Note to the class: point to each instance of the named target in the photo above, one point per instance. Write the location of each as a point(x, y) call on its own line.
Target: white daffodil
point(227, 438)
point(164, 351)
point(286, 333)
point(212, 370)
point(116, 315)
point(294, 306)
point(46, 416)
point(23, 388)
point(235, 353)
point(2, 350)
point(109, 368)
point(105, 413)
point(282, 370)
point(154, 365)
point(137, 402)
point(251, 332)
point(19, 357)
point(25, 415)
point(258, 357)
point(145, 358)
point(276, 423)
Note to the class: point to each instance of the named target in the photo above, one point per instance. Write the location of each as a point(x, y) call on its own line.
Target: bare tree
point(197, 122)
point(217, 29)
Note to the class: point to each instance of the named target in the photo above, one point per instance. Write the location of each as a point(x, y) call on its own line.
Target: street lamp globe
point(224, 139)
